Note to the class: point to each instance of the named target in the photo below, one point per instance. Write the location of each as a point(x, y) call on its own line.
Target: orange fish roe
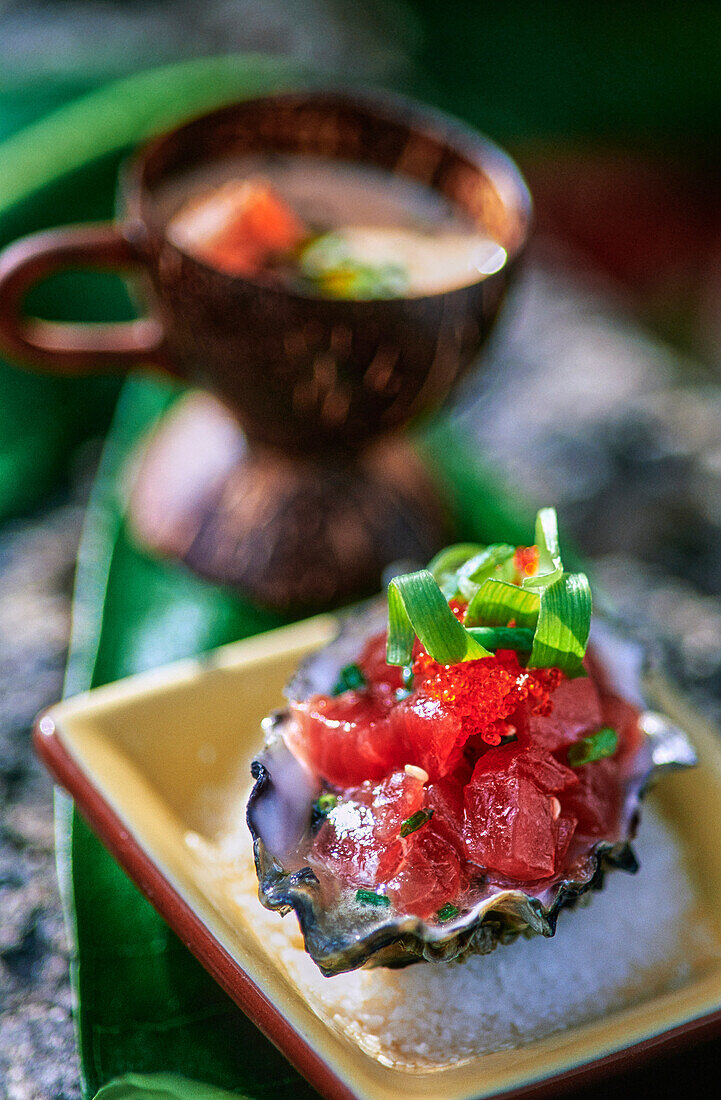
point(525, 561)
point(486, 693)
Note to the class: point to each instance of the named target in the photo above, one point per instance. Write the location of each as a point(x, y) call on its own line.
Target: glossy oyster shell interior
point(340, 934)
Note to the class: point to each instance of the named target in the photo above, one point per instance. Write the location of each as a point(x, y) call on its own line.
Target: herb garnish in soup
point(335, 229)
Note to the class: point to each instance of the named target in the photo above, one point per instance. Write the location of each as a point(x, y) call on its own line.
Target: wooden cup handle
point(72, 348)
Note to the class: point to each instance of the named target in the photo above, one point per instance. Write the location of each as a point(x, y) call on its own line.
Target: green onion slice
point(327, 802)
point(597, 746)
point(564, 622)
point(503, 637)
point(550, 566)
point(460, 569)
point(445, 565)
point(368, 897)
point(484, 565)
point(551, 611)
point(329, 263)
point(497, 602)
point(350, 678)
point(415, 821)
point(416, 606)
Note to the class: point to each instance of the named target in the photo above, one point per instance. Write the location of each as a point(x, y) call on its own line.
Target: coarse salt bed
point(636, 938)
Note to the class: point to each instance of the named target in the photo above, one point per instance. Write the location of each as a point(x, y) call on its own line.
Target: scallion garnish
point(327, 261)
point(321, 808)
point(447, 912)
point(550, 611)
point(596, 746)
point(350, 678)
point(550, 566)
point(368, 897)
point(416, 606)
point(445, 565)
point(415, 821)
point(503, 637)
point(488, 563)
point(460, 569)
point(497, 602)
point(564, 622)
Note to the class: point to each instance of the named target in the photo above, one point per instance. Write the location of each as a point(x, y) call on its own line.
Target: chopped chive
point(350, 678)
point(402, 693)
point(367, 897)
point(597, 746)
point(321, 808)
point(447, 912)
point(420, 817)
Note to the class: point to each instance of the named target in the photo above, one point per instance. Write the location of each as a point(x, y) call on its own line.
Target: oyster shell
point(341, 935)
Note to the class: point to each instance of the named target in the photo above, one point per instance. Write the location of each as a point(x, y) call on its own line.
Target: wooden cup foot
point(292, 534)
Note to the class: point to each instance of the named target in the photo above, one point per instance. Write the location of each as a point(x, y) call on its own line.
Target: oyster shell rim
point(400, 940)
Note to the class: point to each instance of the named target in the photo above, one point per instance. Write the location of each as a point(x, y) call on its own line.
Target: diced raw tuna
point(360, 838)
point(512, 818)
point(346, 739)
point(361, 735)
point(445, 798)
point(430, 732)
point(346, 843)
point(428, 876)
point(595, 802)
point(576, 712)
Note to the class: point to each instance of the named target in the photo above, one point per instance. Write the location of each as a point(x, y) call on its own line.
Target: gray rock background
point(37, 1052)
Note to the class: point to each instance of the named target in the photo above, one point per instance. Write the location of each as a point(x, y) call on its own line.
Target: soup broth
point(329, 227)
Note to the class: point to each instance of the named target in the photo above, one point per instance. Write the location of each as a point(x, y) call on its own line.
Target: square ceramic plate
point(146, 781)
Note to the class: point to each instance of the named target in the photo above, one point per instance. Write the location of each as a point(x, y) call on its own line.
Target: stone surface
point(37, 1050)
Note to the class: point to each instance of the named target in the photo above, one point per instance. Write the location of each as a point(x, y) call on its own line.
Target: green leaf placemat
point(161, 1086)
point(143, 1002)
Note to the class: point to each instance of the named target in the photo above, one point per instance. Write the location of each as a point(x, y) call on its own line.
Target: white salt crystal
point(631, 941)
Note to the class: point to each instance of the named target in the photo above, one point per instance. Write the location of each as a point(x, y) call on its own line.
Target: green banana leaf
point(161, 1086)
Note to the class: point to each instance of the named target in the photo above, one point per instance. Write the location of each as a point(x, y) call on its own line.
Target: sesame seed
point(416, 773)
point(555, 808)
